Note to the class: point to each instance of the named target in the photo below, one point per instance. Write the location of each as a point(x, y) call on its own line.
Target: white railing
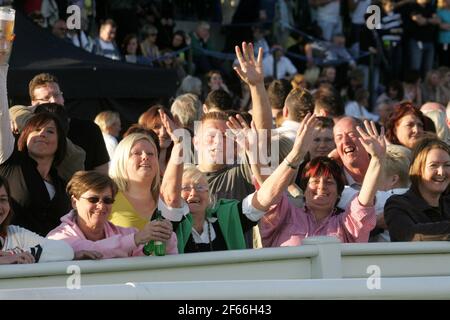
point(323, 266)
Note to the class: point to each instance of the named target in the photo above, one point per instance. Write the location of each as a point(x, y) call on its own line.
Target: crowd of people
point(287, 156)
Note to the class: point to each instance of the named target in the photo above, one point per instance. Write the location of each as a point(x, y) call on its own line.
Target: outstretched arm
point(375, 145)
point(251, 72)
point(171, 182)
point(277, 182)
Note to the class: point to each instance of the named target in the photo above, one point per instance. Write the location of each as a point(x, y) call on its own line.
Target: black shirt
point(410, 218)
point(88, 136)
point(33, 209)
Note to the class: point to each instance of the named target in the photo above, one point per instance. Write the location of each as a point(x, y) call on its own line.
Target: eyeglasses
point(196, 188)
point(95, 199)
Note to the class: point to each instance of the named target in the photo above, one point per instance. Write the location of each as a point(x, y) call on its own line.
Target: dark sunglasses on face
point(95, 199)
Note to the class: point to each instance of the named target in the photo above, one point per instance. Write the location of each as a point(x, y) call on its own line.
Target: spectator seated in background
point(148, 46)
point(423, 212)
point(18, 245)
point(285, 68)
point(86, 226)
point(131, 50)
point(357, 108)
point(437, 113)
point(330, 52)
point(104, 44)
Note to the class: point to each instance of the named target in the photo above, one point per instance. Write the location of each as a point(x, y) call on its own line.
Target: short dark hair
point(299, 103)
point(328, 99)
point(57, 109)
point(277, 92)
point(219, 99)
point(40, 80)
point(39, 120)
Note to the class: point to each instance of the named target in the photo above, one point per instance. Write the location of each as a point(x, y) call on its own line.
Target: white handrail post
point(328, 263)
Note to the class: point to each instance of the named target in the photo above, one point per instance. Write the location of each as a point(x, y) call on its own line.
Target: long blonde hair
point(118, 166)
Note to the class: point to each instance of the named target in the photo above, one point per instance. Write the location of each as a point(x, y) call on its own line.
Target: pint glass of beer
point(7, 17)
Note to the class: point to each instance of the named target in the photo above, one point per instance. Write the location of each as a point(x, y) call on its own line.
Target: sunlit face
point(177, 41)
point(321, 193)
point(142, 164)
point(322, 144)
point(132, 46)
point(388, 6)
point(422, 2)
point(108, 33)
point(409, 130)
point(163, 136)
point(216, 81)
point(436, 174)
point(348, 146)
point(196, 194)
point(94, 215)
point(210, 142)
point(4, 204)
point(49, 93)
point(43, 141)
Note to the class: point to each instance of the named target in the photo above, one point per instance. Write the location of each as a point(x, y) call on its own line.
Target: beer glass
point(7, 17)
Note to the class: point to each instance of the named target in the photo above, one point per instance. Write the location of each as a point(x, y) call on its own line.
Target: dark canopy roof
point(82, 75)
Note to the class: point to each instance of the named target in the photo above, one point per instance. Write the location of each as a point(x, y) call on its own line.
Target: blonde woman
point(135, 169)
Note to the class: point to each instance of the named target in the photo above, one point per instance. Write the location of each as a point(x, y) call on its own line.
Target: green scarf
point(226, 211)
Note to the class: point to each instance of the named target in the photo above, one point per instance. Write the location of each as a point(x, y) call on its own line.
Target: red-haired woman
point(406, 125)
point(322, 183)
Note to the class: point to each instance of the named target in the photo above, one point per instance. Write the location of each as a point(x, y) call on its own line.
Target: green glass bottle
point(156, 247)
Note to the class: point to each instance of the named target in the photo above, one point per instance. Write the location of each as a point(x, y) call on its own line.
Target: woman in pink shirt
point(86, 227)
point(322, 183)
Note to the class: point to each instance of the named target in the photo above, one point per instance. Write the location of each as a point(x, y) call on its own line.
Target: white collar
point(204, 237)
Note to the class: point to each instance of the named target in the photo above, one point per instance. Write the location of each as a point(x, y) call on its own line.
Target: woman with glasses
point(212, 225)
point(86, 226)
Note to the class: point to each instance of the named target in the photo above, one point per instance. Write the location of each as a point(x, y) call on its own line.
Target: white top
point(380, 200)
point(329, 12)
point(6, 136)
point(288, 129)
point(360, 11)
point(111, 144)
point(284, 67)
point(52, 250)
point(353, 109)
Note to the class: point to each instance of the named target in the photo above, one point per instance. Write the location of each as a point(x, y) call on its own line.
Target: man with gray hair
point(185, 110)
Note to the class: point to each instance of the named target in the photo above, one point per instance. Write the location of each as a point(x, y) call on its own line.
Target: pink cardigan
point(118, 242)
point(287, 225)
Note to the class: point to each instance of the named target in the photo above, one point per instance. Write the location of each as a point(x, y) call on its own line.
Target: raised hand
point(373, 143)
point(169, 125)
point(249, 69)
point(305, 134)
point(243, 135)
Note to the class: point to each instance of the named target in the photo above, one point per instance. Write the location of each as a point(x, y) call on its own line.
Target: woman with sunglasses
point(86, 226)
point(21, 246)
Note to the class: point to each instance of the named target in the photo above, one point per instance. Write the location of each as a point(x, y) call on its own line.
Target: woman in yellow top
point(135, 169)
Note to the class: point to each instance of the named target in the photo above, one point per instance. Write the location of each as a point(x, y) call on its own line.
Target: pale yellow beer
point(7, 17)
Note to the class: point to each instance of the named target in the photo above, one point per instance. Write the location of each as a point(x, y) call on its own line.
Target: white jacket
point(52, 250)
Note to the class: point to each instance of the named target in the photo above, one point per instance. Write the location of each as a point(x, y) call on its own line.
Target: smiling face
point(210, 142)
point(163, 136)
point(142, 163)
point(195, 193)
point(215, 82)
point(409, 129)
point(43, 141)
point(348, 146)
point(48, 93)
point(323, 143)
point(436, 173)
point(4, 204)
point(321, 193)
point(93, 215)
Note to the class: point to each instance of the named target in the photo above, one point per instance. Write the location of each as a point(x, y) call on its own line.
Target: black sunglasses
point(95, 199)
